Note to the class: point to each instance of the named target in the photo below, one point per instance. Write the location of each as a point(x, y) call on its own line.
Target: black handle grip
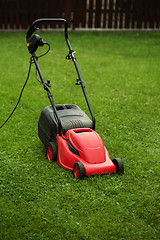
point(30, 32)
point(32, 29)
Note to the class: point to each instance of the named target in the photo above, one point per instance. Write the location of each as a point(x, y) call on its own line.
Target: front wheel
point(118, 165)
point(79, 170)
point(51, 152)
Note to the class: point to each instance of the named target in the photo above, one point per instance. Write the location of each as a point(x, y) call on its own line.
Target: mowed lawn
point(40, 200)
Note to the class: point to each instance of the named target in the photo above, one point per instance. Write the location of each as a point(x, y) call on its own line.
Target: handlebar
point(32, 29)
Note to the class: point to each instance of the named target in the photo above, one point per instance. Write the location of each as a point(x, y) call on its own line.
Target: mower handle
point(32, 29)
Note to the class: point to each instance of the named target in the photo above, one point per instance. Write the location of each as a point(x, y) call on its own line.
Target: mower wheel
point(51, 151)
point(79, 170)
point(119, 165)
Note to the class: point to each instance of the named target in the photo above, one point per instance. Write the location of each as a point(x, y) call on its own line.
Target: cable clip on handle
point(70, 55)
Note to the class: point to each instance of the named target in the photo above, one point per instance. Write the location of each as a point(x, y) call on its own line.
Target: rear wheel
point(79, 170)
point(51, 152)
point(119, 165)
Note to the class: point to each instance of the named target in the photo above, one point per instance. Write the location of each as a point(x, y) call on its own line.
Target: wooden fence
point(103, 14)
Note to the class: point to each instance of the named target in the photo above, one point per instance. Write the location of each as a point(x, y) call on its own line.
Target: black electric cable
point(31, 61)
point(19, 96)
point(46, 51)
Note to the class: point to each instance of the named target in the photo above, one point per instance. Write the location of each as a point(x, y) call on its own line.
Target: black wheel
point(79, 170)
point(119, 165)
point(51, 152)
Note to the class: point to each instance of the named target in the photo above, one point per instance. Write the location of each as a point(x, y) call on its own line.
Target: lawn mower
point(67, 133)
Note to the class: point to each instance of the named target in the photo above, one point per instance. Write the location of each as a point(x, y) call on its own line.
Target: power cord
point(20, 94)
point(45, 43)
point(31, 61)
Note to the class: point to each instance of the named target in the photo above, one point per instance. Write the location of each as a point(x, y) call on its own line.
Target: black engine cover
point(71, 116)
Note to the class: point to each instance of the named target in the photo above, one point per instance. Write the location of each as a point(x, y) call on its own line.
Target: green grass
point(40, 200)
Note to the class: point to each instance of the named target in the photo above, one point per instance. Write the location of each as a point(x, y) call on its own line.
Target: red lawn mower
point(65, 130)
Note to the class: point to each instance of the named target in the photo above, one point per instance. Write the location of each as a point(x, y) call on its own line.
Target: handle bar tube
point(48, 93)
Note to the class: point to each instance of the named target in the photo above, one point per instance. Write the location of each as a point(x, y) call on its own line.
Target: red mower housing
point(82, 151)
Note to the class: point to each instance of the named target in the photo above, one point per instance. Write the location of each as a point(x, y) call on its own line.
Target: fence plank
point(151, 16)
point(157, 14)
point(133, 14)
point(128, 13)
point(98, 13)
point(17, 16)
point(11, 14)
point(5, 14)
point(90, 21)
point(83, 11)
point(68, 11)
point(122, 8)
point(139, 13)
point(145, 14)
point(116, 14)
point(105, 14)
point(110, 10)
point(24, 13)
point(76, 14)
point(1, 14)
